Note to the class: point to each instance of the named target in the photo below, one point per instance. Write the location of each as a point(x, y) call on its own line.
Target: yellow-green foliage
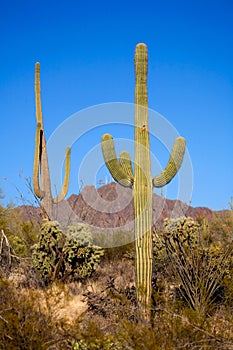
point(24, 235)
point(20, 235)
point(96, 339)
point(60, 256)
point(4, 219)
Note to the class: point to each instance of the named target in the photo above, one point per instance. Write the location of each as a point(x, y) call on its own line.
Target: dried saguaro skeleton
point(140, 180)
point(41, 176)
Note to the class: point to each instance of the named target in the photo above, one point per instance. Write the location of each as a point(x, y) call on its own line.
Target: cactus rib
point(126, 164)
point(117, 171)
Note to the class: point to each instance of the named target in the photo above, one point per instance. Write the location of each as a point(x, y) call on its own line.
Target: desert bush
point(25, 237)
point(182, 232)
point(112, 238)
point(23, 325)
point(95, 339)
point(170, 331)
point(220, 228)
point(60, 256)
point(112, 302)
point(21, 235)
point(197, 271)
point(8, 258)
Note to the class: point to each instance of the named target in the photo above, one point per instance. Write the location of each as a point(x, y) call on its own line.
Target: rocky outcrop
point(111, 206)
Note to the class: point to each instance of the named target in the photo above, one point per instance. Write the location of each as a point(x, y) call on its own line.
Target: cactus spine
point(41, 174)
point(141, 180)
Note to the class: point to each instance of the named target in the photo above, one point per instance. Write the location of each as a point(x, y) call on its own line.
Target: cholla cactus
point(184, 228)
point(47, 253)
point(177, 236)
point(79, 244)
point(198, 271)
point(41, 176)
point(81, 233)
point(141, 180)
point(58, 256)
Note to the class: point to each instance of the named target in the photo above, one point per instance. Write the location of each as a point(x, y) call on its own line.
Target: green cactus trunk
point(142, 187)
point(41, 174)
point(141, 180)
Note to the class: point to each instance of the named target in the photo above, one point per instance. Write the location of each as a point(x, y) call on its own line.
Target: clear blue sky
point(86, 53)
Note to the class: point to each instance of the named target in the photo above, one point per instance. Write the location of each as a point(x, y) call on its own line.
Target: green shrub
point(95, 339)
point(5, 218)
point(21, 235)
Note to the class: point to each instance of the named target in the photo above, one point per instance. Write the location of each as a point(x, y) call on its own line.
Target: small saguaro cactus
point(41, 174)
point(140, 180)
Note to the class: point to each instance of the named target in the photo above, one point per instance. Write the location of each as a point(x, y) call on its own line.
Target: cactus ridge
point(126, 164)
point(41, 175)
point(141, 180)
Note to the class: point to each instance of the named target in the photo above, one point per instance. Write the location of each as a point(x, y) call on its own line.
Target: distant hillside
point(111, 206)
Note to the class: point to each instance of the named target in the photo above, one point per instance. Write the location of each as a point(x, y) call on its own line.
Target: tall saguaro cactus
point(41, 175)
point(141, 180)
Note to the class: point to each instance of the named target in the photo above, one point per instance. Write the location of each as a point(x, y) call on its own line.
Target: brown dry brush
point(23, 324)
point(111, 320)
